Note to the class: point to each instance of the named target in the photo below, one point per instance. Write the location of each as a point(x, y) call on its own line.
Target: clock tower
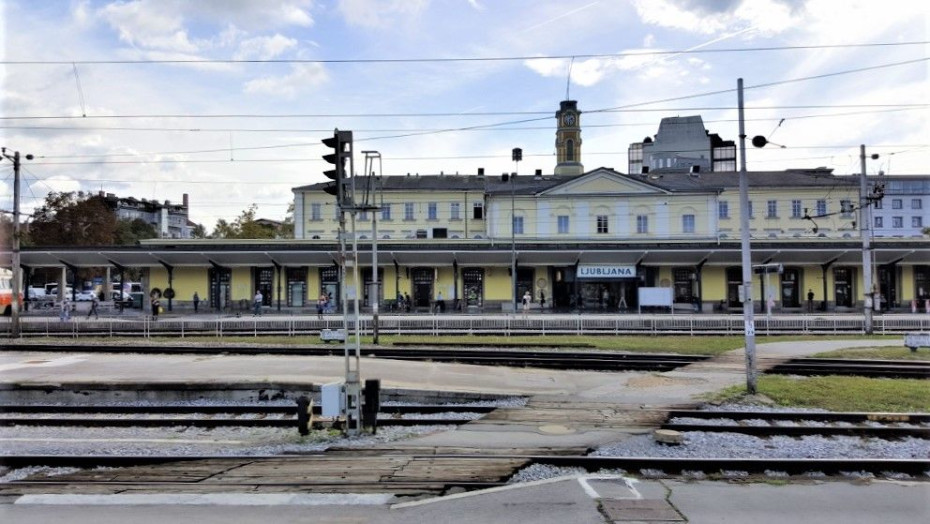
point(568, 139)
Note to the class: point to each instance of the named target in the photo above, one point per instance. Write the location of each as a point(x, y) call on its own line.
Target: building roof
point(666, 180)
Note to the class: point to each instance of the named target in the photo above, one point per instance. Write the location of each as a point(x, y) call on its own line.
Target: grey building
point(169, 220)
point(682, 144)
point(904, 211)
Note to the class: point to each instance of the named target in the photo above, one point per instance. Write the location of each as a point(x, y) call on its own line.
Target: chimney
point(186, 200)
point(480, 171)
point(505, 177)
point(645, 170)
point(538, 175)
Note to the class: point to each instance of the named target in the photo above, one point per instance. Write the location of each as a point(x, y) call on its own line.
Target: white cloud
point(264, 47)
point(548, 67)
point(769, 16)
point(301, 78)
point(147, 24)
point(379, 13)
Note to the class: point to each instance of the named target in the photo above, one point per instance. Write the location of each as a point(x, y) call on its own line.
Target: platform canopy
point(437, 253)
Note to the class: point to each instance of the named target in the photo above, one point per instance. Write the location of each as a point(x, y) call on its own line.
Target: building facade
point(574, 240)
point(169, 220)
point(682, 144)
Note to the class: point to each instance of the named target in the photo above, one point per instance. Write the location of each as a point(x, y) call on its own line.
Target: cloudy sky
point(227, 100)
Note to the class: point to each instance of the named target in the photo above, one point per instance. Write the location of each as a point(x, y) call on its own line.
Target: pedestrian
point(257, 303)
point(65, 313)
point(321, 305)
point(440, 303)
point(93, 307)
point(196, 301)
point(810, 300)
point(407, 304)
point(542, 299)
point(527, 298)
point(156, 306)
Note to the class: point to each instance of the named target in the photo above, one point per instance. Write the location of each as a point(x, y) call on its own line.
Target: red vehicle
point(6, 293)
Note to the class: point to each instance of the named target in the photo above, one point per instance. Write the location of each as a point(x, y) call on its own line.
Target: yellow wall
point(397, 227)
point(784, 226)
point(497, 284)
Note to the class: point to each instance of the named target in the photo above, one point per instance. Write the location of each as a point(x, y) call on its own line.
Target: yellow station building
point(579, 240)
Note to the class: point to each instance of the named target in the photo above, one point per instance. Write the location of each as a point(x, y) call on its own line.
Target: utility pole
point(749, 322)
point(865, 218)
point(516, 156)
point(370, 157)
point(16, 326)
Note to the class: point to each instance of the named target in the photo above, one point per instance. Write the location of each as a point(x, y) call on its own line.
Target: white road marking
point(211, 499)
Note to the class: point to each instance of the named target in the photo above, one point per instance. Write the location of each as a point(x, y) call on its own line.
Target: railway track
point(438, 474)
point(210, 416)
point(573, 360)
point(768, 424)
point(865, 368)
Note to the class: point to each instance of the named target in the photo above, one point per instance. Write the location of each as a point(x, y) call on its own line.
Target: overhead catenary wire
point(654, 52)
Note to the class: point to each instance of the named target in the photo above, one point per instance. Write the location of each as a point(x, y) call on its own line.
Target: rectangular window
point(386, 212)
point(916, 203)
point(455, 211)
point(517, 225)
point(821, 207)
point(602, 224)
point(917, 222)
point(432, 211)
point(897, 203)
point(642, 224)
point(687, 223)
point(795, 209)
point(878, 204)
point(846, 207)
point(363, 216)
point(408, 211)
point(563, 224)
point(316, 211)
point(771, 209)
point(723, 209)
point(897, 222)
point(879, 222)
point(477, 211)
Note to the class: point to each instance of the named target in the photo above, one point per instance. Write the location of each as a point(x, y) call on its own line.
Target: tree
point(73, 219)
point(130, 232)
point(244, 227)
point(198, 231)
point(287, 227)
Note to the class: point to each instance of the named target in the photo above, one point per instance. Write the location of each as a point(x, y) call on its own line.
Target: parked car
point(36, 293)
point(84, 296)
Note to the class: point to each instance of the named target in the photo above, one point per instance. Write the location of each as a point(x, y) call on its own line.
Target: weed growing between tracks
point(836, 393)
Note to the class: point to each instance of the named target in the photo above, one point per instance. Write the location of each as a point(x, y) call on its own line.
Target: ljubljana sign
point(606, 271)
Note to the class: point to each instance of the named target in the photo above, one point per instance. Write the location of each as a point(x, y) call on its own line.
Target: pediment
point(603, 182)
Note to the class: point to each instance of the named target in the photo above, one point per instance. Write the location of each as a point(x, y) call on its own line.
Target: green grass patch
point(877, 353)
point(837, 393)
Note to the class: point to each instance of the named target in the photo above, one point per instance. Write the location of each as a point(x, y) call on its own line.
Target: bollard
point(371, 404)
point(303, 415)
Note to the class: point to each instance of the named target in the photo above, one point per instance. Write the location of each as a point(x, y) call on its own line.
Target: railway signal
point(341, 143)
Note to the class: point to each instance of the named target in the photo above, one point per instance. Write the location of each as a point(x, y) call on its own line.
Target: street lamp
point(516, 156)
point(16, 327)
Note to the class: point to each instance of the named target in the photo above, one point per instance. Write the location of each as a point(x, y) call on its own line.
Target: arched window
point(569, 150)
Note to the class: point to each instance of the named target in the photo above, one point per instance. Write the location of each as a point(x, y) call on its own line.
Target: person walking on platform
point(257, 303)
point(321, 305)
point(93, 307)
point(196, 301)
point(65, 313)
point(527, 298)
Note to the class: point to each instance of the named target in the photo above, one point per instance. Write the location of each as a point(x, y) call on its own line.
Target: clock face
point(569, 119)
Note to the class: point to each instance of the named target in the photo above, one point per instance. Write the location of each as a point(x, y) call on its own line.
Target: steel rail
point(914, 467)
point(797, 431)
